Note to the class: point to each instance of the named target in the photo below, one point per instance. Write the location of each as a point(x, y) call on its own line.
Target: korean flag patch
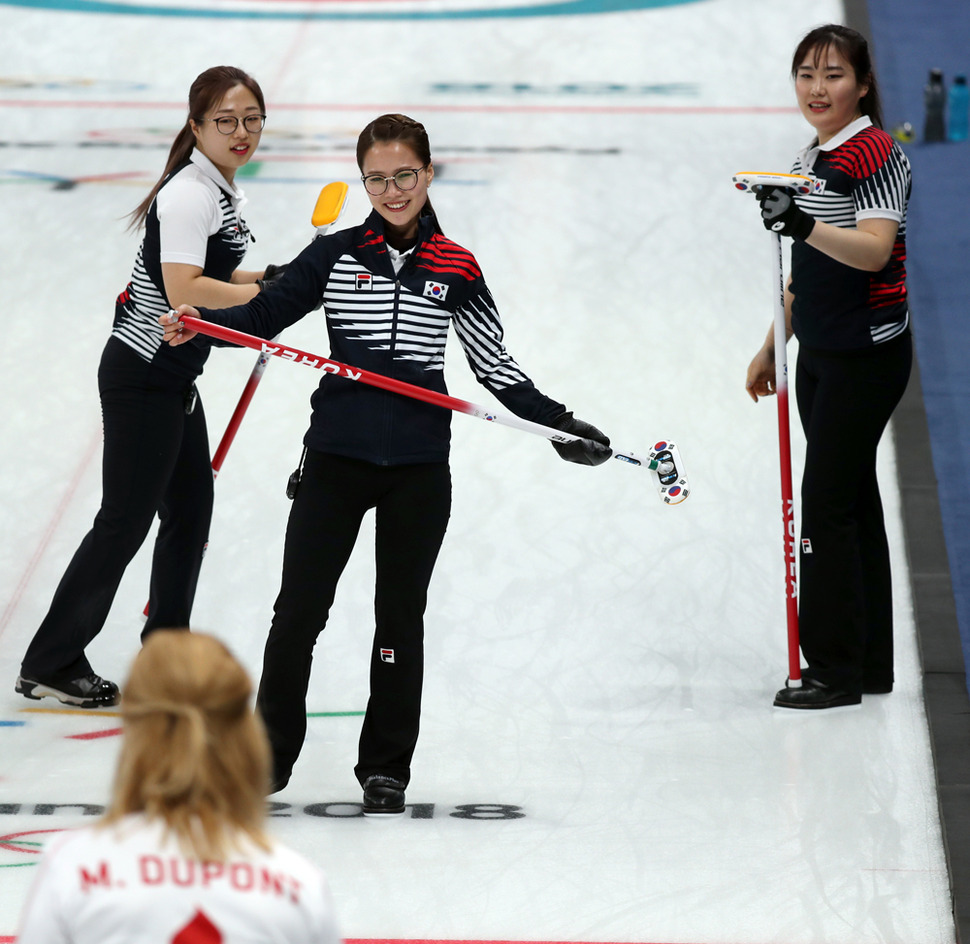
point(435, 290)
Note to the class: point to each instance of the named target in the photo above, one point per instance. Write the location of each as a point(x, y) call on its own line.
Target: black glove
point(780, 214)
point(270, 274)
point(592, 449)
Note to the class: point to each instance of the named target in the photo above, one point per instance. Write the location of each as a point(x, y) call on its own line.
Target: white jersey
point(123, 884)
point(194, 220)
point(866, 176)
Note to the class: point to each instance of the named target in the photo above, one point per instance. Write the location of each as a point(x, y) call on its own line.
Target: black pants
point(156, 460)
point(412, 505)
point(845, 401)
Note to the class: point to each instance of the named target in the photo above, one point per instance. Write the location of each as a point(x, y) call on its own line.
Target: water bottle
point(959, 108)
point(934, 98)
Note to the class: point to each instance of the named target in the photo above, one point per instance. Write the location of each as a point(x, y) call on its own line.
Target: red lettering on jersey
point(272, 882)
point(211, 870)
point(151, 870)
point(101, 877)
point(241, 876)
point(174, 870)
point(186, 876)
point(277, 883)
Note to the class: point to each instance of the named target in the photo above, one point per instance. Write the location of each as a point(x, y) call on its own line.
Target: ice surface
point(596, 661)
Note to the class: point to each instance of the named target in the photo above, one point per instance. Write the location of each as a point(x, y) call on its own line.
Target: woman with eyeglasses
point(156, 451)
point(390, 289)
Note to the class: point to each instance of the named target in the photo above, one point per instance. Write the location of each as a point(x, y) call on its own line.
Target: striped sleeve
point(884, 182)
point(872, 181)
point(480, 331)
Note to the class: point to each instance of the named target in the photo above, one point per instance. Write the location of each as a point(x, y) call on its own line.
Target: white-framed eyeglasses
point(227, 124)
point(376, 184)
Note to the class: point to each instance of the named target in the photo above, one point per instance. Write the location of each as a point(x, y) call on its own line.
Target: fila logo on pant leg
point(806, 546)
point(387, 655)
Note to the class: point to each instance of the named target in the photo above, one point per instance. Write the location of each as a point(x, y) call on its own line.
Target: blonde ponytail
point(194, 756)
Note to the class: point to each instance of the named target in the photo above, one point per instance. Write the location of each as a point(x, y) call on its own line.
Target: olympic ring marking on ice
point(305, 11)
point(13, 843)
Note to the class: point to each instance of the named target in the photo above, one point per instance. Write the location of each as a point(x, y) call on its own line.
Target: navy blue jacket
point(395, 325)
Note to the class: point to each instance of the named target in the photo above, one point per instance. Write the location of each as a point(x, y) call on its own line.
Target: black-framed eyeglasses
point(376, 184)
point(227, 124)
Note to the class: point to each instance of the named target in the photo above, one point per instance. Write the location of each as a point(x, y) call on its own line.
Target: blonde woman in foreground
point(182, 853)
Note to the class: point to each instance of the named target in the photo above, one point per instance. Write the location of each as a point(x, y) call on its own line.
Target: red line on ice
point(466, 108)
point(45, 540)
point(94, 735)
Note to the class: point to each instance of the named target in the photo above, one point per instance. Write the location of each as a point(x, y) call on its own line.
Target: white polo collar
point(215, 175)
point(808, 154)
point(854, 127)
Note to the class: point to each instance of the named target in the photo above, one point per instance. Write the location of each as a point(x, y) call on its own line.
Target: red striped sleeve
point(371, 239)
point(441, 255)
point(864, 154)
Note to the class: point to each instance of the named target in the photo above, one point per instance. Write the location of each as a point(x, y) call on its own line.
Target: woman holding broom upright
point(846, 303)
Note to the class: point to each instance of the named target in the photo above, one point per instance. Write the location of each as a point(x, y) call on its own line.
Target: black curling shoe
point(90, 691)
point(383, 796)
point(815, 695)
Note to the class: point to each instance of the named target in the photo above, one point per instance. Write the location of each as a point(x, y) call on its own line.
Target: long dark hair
point(852, 46)
point(206, 92)
point(390, 128)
